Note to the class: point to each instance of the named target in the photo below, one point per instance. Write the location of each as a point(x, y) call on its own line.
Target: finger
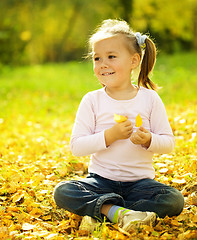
point(135, 138)
point(129, 130)
point(130, 127)
point(141, 128)
point(138, 139)
point(141, 134)
point(134, 141)
point(132, 138)
point(127, 123)
point(127, 134)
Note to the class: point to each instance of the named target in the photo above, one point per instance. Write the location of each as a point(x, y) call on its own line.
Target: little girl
point(120, 184)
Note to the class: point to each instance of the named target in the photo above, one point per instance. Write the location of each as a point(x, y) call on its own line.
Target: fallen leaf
point(194, 219)
point(36, 212)
point(161, 165)
point(4, 233)
point(189, 234)
point(179, 181)
point(51, 236)
point(194, 198)
point(174, 222)
point(17, 197)
point(47, 217)
point(27, 226)
point(163, 170)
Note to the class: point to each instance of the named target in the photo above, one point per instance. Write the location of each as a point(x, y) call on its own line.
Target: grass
point(48, 89)
point(177, 75)
point(56, 89)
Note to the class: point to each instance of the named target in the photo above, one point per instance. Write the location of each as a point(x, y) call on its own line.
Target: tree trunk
point(70, 26)
point(127, 6)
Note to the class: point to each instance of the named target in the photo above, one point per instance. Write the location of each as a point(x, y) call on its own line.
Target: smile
point(106, 74)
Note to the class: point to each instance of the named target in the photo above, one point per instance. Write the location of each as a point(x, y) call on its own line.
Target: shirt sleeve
point(163, 140)
point(84, 141)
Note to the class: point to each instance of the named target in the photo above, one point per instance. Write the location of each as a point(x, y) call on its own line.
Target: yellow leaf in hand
point(138, 121)
point(119, 118)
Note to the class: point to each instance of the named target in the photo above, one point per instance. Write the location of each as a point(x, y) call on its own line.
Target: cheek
point(118, 66)
point(95, 69)
point(119, 69)
point(123, 68)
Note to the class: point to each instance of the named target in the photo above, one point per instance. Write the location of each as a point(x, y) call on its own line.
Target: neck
point(122, 94)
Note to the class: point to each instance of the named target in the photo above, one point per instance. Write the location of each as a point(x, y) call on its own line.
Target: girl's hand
point(121, 130)
point(142, 137)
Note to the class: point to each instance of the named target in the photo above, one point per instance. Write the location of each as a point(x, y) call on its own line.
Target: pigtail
point(147, 65)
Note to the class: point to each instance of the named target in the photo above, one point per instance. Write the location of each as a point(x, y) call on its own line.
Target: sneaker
point(135, 218)
point(88, 224)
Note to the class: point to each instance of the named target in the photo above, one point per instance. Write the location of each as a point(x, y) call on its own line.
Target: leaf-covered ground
point(35, 156)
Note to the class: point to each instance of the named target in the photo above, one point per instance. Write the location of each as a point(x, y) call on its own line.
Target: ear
point(135, 60)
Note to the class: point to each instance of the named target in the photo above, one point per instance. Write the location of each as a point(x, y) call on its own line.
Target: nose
point(104, 64)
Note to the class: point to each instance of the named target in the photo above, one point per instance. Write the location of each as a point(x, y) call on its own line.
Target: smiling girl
point(120, 184)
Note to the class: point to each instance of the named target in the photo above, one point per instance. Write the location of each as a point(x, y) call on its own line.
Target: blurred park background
point(43, 44)
point(43, 77)
point(41, 31)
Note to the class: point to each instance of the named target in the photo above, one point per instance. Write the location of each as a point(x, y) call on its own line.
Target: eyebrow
point(110, 52)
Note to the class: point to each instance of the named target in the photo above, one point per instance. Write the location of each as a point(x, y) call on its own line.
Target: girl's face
point(113, 62)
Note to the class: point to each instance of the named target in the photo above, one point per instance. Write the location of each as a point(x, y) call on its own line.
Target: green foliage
point(169, 22)
point(56, 31)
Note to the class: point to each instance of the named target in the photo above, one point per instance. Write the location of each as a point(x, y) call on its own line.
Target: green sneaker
point(135, 218)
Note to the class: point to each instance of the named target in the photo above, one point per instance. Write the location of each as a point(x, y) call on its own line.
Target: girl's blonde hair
point(147, 53)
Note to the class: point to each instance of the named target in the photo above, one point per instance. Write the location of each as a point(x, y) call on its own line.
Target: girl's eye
point(111, 56)
point(96, 59)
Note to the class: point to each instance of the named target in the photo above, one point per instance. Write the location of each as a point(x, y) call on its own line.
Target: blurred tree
point(127, 9)
point(76, 7)
point(11, 44)
point(195, 25)
point(46, 30)
point(170, 22)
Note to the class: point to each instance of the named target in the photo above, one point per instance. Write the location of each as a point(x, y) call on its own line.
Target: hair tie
point(141, 39)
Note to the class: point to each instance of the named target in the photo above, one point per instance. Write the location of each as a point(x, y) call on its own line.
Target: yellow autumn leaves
point(121, 118)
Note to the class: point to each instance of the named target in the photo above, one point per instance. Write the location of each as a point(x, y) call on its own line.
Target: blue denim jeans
point(86, 196)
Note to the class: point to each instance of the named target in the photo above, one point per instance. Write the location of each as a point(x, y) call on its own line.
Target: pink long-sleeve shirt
point(122, 160)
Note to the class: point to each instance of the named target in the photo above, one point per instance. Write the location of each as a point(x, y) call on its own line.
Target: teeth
point(105, 74)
